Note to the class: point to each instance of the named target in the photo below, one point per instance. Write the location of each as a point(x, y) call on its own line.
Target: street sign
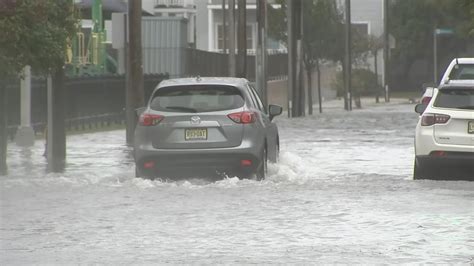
point(444, 31)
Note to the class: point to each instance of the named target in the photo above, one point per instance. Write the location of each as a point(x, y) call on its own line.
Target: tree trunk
point(3, 128)
point(320, 97)
point(377, 90)
point(56, 139)
point(310, 91)
point(344, 93)
point(301, 89)
point(357, 101)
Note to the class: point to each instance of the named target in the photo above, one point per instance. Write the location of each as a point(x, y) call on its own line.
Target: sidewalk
point(366, 102)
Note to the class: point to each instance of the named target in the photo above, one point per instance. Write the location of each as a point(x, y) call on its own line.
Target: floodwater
point(341, 193)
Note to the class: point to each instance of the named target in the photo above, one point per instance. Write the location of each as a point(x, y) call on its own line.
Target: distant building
point(175, 8)
point(367, 17)
point(205, 21)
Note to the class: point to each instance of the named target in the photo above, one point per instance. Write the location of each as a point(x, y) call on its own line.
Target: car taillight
point(149, 165)
point(149, 119)
point(431, 119)
point(243, 117)
point(438, 153)
point(246, 162)
point(426, 100)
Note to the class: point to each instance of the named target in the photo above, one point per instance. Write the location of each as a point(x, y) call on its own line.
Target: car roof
point(237, 82)
point(460, 85)
point(465, 60)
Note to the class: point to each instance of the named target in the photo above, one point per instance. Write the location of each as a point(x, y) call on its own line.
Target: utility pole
point(56, 131)
point(3, 127)
point(301, 88)
point(386, 51)
point(435, 57)
point(348, 58)
point(295, 58)
point(291, 57)
point(242, 38)
point(232, 59)
point(224, 29)
point(135, 93)
point(260, 59)
point(300, 54)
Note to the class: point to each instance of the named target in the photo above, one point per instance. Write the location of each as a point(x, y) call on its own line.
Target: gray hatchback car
point(205, 125)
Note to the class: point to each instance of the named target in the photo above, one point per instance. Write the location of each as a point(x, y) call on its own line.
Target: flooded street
point(341, 193)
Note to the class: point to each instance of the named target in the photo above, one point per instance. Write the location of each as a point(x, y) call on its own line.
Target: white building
point(205, 18)
point(368, 16)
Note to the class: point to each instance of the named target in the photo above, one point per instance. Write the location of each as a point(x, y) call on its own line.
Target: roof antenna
point(457, 63)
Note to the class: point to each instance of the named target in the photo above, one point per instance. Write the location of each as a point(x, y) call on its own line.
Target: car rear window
point(462, 71)
point(458, 98)
point(196, 98)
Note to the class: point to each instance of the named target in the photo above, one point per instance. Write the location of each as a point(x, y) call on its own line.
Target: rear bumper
point(449, 159)
point(451, 166)
point(187, 162)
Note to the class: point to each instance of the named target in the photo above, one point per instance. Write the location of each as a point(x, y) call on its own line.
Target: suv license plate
point(470, 127)
point(195, 134)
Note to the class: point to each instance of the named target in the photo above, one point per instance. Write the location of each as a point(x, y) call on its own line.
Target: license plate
point(195, 134)
point(470, 127)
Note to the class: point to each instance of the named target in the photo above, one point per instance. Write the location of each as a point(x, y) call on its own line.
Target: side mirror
point(274, 110)
point(139, 111)
point(420, 108)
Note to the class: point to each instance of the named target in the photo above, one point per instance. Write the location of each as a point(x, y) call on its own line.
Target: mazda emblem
point(195, 120)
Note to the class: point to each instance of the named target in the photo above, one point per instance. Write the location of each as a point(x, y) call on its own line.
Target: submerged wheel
point(277, 153)
point(418, 171)
point(262, 169)
point(139, 174)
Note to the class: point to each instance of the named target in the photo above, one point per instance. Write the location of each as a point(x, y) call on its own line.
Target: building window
point(220, 37)
point(360, 28)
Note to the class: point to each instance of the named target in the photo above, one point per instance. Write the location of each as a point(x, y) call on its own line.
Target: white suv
point(444, 139)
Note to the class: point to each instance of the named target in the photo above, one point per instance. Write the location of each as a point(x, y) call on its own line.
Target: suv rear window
point(462, 71)
point(459, 98)
point(196, 98)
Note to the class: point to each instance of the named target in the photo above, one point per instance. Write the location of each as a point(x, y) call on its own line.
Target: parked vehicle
point(206, 125)
point(444, 139)
point(460, 70)
point(427, 95)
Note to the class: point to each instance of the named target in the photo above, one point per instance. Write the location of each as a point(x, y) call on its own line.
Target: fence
point(91, 101)
point(101, 100)
point(204, 63)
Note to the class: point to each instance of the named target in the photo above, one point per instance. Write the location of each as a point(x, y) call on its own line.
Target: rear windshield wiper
point(182, 108)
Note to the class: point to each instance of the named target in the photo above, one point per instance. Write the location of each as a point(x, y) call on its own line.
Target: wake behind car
point(206, 125)
point(444, 139)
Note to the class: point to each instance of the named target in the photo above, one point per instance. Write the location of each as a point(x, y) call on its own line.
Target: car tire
point(262, 169)
point(276, 155)
point(419, 172)
point(138, 173)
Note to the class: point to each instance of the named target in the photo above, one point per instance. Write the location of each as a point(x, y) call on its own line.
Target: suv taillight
point(243, 117)
point(149, 119)
point(431, 119)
